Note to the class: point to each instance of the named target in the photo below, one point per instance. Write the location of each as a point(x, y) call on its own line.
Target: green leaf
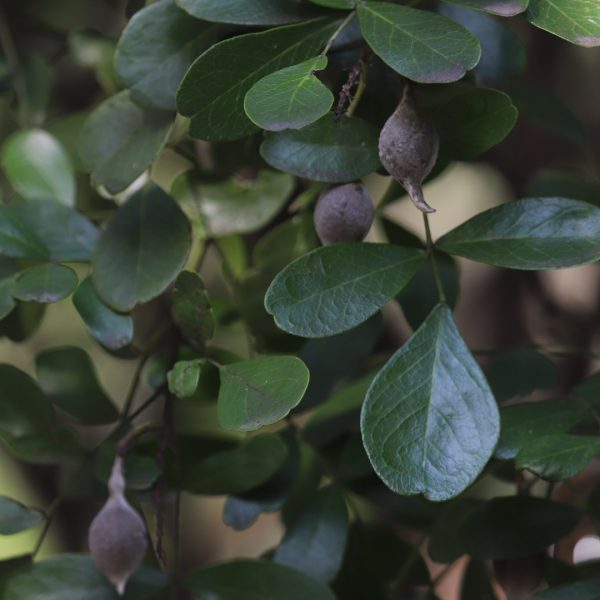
point(335, 288)
point(259, 392)
point(38, 167)
point(15, 517)
point(582, 590)
point(73, 577)
point(120, 139)
point(112, 330)
point(315, 542)
point(213, 90)
point(155, 50)
point(142, 250)
point(326, 150)
point(515, 526)
point(430, 422)
point(237, 470)
point(335, 3)
point(246, 12)
point(290, 98)
point(254, 579)
point(558, 456)
point(47, 230)
point(577, 21)
point(473, 121)
point(191, 309)
point(421, 45)
point(45, 284)
point(338, 414)
point(503, 8)
point(589, 389)
point(522, 424)
point(67, 377)
point(237, 205)
point(531, 234)
point(7, 302)
point(183, 378)
point(520, 372)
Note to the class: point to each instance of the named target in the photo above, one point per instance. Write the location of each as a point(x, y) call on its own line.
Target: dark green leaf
point(473, 121)
point(213, 90)
point(521, 424)
point(259, 392)
point(421, 45)
point(254, 580)
point(38, 78)
point(290, 98)
point(516, 526)
point(335, 288)
point(335, 3)
point(156, 49)
point(68, 378)
point(430, 422)
point(61, 234)
point(7, 302)
point(15, 517)
point(520, 372)
point(234, 206)
point(73, 577)
point(111, 329)
point(9, 568)
point(142, 250)
point(577, 21)
point(582, 590)
point(237, 470)
point(120, 139)
point(536, 233)
point(326, 150)
point(191, 309)
point(558, 456)
point(588, 389)
point(316, 541)
point(503, 8)
point(246, 12)
point(45, 283)
point(38, 168)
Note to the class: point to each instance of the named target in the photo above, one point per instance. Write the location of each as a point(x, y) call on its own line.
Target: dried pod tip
point(117, 535)
point(344, 214)
point(408, 148)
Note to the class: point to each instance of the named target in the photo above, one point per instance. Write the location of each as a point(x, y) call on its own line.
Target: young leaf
point(335, 288)
point(246, 12)
point(266, 580)
point(536, 233)
point(183, 378)
point(421, 45)
point(325, 150)
point(142, 250)
point(577, 21)
point(430, 422)
point(502, 8)
point(213, 90)
point(45, 284)
point(259, 392)
point(291, 98)
point(110, 328)
point(155, 50)
point(316, 541)
point(120, 139)
point(15, 517)
point(558, 456)
point(38, 168)
point(67, 377)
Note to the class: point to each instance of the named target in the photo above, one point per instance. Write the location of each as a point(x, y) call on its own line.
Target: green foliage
point(160, 165)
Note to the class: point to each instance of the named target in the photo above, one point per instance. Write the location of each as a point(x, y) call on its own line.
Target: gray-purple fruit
point(117, 535)
point(408, 148)
point(344, 214)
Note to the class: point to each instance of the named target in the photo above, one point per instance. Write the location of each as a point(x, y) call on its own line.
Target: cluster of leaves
point(218, 115)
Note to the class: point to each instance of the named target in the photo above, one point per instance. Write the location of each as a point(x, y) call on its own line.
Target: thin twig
point(336, 33)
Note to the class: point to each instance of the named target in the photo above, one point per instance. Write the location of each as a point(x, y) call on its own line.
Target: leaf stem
point(434, 266)
point(362, 85)
point(336, 33)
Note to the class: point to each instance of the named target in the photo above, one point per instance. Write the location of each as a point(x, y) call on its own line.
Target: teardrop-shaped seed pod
point(344, 214)
point(117, 535)
point(408, 148)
